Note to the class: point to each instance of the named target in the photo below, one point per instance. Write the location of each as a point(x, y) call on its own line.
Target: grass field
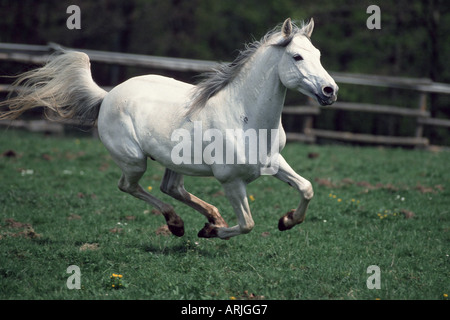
point(60, 206)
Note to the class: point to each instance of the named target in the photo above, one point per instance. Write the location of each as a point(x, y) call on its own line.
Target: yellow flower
point(232, 298)
point(339, 200)
point(251, 197)
point(120, 276)
point(149, 188)
point(445, 295)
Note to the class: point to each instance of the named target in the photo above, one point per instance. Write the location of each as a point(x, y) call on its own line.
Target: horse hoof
point(283, 223)
point(208, 231)
point(177, 227)
point(177, 231)
point(282, 226)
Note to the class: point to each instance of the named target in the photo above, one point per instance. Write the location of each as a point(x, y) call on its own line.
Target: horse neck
point(257, 92)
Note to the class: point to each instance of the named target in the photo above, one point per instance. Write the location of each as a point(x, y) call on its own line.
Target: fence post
point(308, 122)
point(422, 107)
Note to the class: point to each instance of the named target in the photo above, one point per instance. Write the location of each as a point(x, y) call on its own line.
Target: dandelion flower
point(339, 200)
point(232, 298)
point(251, 197)
point(149, 188)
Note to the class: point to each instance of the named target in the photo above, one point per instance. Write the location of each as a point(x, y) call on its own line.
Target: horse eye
point(297, 57)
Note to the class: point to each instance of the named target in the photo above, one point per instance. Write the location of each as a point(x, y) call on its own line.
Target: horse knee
point(124, 186)
point(247, 227)
point(307, 190)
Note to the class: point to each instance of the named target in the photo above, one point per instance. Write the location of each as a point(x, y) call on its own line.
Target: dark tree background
point(413, 42)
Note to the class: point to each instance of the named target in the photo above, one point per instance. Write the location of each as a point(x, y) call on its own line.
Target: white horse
point(137, 120)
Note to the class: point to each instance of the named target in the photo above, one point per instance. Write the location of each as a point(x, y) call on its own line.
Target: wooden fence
point(39, 54)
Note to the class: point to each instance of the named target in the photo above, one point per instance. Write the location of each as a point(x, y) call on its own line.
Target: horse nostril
point(328, 91)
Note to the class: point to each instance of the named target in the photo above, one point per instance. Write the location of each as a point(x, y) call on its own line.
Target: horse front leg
point(287, 174)
point(237, 195)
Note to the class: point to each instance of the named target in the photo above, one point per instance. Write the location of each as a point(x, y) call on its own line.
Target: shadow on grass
point(177, 249)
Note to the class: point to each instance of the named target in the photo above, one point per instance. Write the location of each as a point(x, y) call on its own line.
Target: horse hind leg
point(117, 133)
point(173, 185)
point(129, 183)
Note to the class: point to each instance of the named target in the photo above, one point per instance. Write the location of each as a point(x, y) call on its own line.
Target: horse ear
point(286, 29)
point(308, 29)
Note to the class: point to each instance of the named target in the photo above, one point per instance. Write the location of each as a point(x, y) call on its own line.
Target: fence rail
point(39, 54)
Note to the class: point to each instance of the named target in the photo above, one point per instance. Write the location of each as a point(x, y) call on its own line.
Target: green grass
point(70, 201)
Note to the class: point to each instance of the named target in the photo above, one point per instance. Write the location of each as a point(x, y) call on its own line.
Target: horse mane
point(218, 78)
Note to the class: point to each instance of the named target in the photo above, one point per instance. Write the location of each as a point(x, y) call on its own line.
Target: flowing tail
point(64, 85)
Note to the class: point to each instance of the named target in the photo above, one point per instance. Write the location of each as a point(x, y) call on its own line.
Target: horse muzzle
point(328, 95)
